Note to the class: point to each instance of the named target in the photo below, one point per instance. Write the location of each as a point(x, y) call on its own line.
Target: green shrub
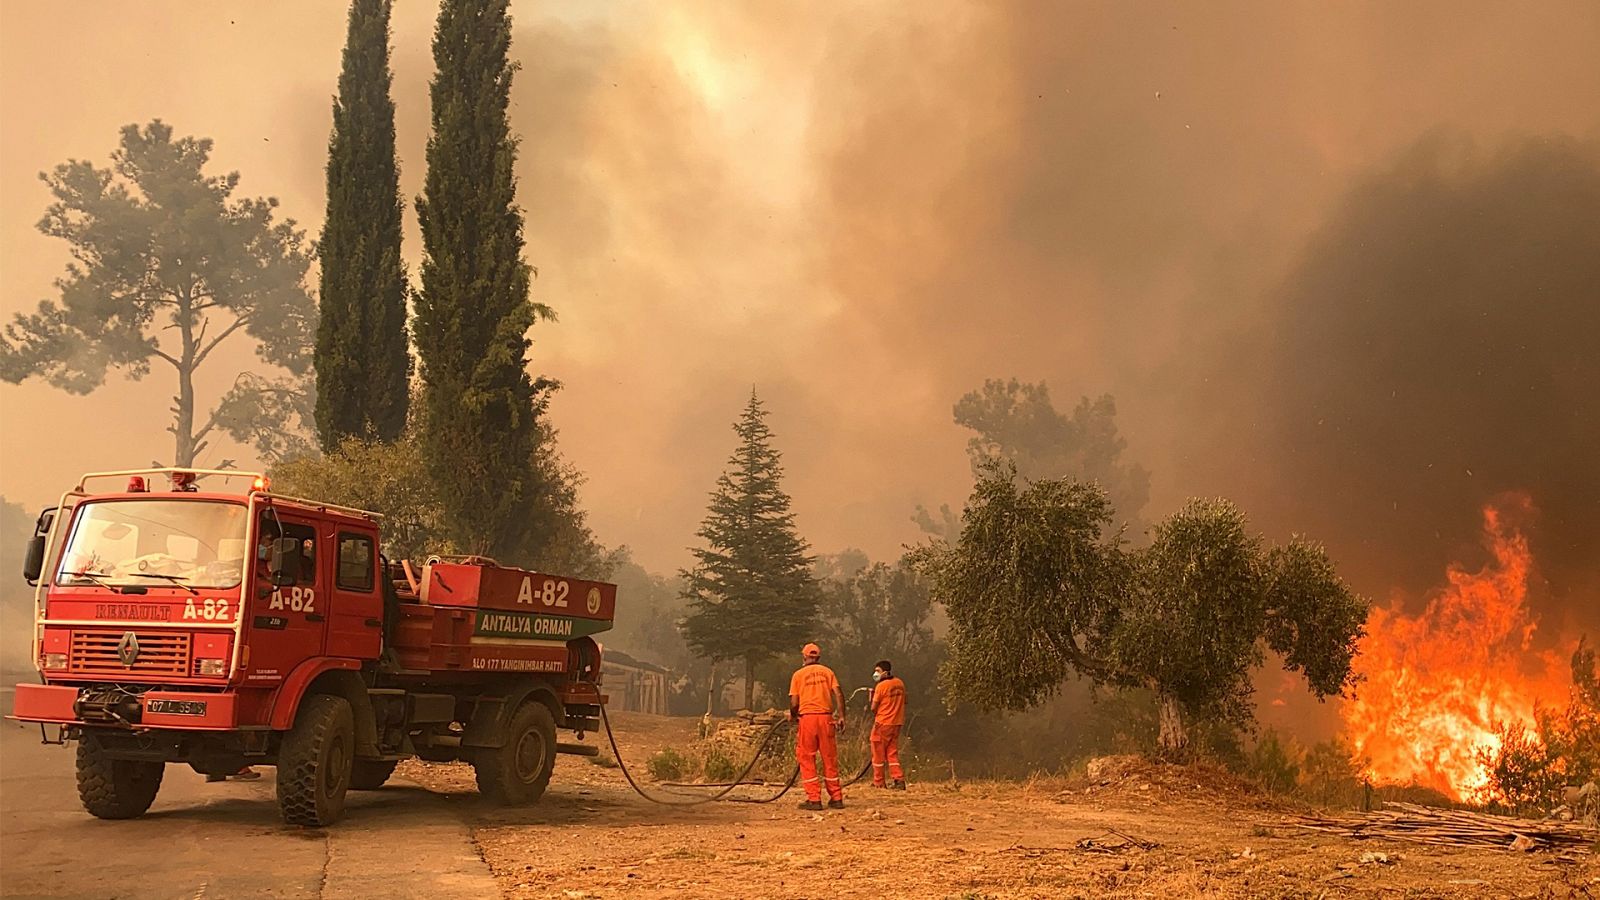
point(719, 767)
point(1329, 777)
point(668, 765)
point(1273, 765)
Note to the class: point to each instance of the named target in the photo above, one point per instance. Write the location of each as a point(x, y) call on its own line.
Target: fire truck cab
point(221, 628)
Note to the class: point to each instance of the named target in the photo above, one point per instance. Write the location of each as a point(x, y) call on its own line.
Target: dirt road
point(593, 838)
point(221, 840)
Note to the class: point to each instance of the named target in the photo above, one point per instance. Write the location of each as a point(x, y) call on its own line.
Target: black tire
point(370, 774)
point(115, 788)
point(314, 762)
point(517, 772)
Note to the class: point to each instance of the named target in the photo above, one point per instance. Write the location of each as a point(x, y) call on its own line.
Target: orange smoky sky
point(864, 210)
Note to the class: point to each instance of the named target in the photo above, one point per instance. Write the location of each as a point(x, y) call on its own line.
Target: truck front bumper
point(60, 704)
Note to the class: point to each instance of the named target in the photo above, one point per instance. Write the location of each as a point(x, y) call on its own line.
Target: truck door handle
point(313, 617)
point(373, 623)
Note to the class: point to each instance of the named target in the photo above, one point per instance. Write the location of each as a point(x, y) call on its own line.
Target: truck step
point(578, 749)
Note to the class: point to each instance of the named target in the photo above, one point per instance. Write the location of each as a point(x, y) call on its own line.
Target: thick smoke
point(866, 213)
point(1245, 229)
point(1435, 347)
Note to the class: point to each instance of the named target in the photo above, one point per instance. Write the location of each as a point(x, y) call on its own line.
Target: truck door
point(286, 623)
point(355, 606)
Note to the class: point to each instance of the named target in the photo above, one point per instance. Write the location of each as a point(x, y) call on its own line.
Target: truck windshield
point(190, 543)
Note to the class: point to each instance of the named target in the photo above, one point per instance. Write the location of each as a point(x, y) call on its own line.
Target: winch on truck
point(227, 628)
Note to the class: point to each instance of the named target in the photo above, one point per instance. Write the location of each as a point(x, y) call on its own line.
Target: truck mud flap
point(487, 728)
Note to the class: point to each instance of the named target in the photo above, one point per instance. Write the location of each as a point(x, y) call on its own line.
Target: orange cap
point(811, 651)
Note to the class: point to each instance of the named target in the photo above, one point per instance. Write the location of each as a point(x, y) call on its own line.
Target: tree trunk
point(183, 425)
point(1174, 736)
point(711, 696)
point(749, 681)
point(183, 428)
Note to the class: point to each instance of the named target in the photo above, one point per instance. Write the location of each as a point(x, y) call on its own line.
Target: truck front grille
point(103, 652)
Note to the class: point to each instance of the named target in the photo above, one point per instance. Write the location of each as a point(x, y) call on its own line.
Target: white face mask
point(877, 676)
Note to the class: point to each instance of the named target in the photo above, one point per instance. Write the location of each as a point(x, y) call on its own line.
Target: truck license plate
point(176, 707)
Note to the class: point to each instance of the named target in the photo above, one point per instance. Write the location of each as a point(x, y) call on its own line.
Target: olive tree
point(1039, 589)
point(1030, 587)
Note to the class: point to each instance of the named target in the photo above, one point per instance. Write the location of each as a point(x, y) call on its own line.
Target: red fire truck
point(192, 616)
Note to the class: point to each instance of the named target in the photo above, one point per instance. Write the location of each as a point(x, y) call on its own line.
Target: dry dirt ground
point(592, 837)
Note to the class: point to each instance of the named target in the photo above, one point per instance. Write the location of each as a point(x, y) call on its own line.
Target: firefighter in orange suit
point(816, 706)
point(888, 706)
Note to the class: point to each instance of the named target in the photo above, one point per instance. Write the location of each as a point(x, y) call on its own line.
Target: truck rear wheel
point(370, 774)
point(314, 762)
point(115, 788)
point(518, 771)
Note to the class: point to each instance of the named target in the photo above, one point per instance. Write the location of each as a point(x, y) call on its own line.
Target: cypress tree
point(473, 311)
point(751, 593)
point(363, 364)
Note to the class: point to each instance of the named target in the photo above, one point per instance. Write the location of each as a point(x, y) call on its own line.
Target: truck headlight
point(53, 661)
point(211, 667)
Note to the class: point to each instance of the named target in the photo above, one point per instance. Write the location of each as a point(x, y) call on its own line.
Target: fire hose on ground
point(726, 787)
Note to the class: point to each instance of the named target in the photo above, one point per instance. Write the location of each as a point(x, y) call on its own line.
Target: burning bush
point(1573, 735)
point(1530, 770)
point(1459, 699)
point(1523, 777)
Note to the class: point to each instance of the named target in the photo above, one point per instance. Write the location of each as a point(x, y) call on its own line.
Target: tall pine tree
point(752, 594)
point(362, 359)
point(473, 311)
point(167, 266)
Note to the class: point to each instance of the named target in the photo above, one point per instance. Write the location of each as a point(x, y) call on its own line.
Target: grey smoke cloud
point(1435, 347)
point(867, 212)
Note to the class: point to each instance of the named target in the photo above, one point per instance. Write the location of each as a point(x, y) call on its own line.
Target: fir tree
point(751, 593)
point(473, 312)
point(363, 364)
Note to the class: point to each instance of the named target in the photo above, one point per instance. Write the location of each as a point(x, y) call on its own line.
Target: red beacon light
point(136, 485)
point(261, 483)
point(183, 481)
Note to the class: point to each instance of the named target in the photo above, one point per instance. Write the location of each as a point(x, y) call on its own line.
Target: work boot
point(811, 805)
point(836, 804)
point(879, 784)
point(899, 784)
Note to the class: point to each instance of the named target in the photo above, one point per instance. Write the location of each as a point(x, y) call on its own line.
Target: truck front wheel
point(314, 762)
point(115, 788)
point(518, 771)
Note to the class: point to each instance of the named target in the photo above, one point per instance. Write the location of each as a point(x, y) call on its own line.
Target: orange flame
point(1436, 685)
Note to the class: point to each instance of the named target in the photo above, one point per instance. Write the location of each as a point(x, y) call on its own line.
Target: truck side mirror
point(283, 561)
point(34, 563)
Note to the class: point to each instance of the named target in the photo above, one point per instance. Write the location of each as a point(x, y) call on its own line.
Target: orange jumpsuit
point(814, 685)
point(889, 706)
